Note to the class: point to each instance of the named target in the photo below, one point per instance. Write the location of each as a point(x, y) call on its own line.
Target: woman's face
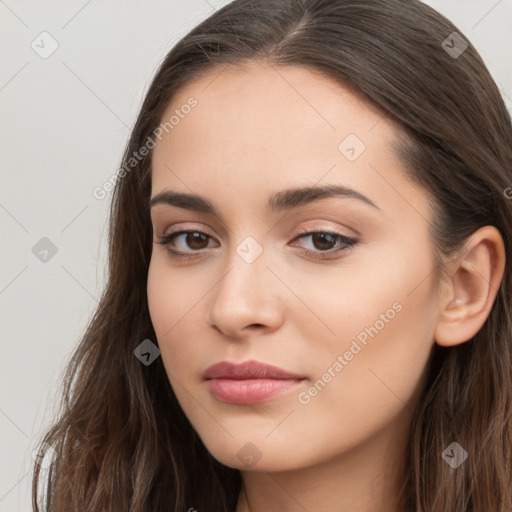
point(349, 312)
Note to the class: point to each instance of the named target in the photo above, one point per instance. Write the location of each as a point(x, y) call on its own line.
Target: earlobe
point(471, 289)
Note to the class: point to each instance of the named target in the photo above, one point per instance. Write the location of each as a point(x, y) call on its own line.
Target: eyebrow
point(279, 201)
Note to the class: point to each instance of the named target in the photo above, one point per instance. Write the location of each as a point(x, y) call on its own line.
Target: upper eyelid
point(185, 226)
point(303, 233)
point(183, 230)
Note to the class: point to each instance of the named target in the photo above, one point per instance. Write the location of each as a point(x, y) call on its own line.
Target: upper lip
point(247, 370)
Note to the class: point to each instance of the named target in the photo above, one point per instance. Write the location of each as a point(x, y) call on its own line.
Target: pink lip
point(249, 382)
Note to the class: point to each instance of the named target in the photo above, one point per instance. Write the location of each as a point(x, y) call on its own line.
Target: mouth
point(250, 391)
point(250, 382)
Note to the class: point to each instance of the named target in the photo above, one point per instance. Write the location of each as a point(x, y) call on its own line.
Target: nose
point(247, 298)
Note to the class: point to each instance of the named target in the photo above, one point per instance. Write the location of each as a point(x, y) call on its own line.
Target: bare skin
point(255, 132)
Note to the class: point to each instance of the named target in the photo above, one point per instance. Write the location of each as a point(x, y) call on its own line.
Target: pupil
point(193, 238)
point(322, 238)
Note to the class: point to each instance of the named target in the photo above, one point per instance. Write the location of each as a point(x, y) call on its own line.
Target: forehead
point(262, 105)
point(263, 127)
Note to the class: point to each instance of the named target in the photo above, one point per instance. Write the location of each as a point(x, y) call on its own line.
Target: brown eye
point(326, 244)
point(323, 241)
point(196, 240)
point(185, 244)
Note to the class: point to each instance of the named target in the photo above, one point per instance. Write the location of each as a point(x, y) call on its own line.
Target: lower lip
point(250, 391)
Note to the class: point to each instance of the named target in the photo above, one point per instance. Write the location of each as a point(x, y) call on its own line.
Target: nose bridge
point(244, 296)
point(246, 273)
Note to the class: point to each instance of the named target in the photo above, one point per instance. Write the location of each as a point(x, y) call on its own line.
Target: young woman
point(309, 295)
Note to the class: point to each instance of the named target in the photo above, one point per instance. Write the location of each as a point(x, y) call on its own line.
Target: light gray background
point(65, 121)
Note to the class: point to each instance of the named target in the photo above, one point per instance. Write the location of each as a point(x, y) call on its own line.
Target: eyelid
point(314, 228)
point(304, 230)
point(183, 227)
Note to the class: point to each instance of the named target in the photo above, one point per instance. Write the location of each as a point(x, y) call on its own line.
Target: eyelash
point(347, 241)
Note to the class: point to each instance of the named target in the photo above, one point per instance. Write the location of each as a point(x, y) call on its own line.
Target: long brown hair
point(122, 442)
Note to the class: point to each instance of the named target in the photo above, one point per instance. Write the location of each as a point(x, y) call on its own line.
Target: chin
point(259, 455)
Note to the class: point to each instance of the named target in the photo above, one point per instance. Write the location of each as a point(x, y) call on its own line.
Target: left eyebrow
point(279, 201)
point(295, 197)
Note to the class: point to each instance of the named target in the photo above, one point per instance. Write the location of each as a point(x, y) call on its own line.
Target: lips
point(247, 370)
point(250, 382)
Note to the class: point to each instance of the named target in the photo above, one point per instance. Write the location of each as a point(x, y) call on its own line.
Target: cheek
point(358, 389)
point(170, 297)
point(384, 294)
point(166, 305)
point(384, 335)
point(174, 307)
point(379, 316)
point(160, 299)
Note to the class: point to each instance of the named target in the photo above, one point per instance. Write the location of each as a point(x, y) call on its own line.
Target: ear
point(469, 293)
